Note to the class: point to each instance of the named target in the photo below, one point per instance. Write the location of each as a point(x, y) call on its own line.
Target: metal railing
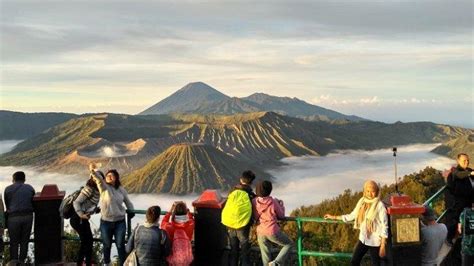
point(301, 252)
point(429, 202)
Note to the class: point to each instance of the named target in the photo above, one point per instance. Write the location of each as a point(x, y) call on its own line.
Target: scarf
point(368, 206)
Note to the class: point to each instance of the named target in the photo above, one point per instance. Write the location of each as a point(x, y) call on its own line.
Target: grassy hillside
point(188, 168)
point(16, 125)
point(54, 143)
point(462, 144)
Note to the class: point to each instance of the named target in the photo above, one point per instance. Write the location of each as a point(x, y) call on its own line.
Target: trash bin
point(405, 238)
point(210, 235)
point(48, 227)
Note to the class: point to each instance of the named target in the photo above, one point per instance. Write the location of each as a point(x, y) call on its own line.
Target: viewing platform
point(210, 237)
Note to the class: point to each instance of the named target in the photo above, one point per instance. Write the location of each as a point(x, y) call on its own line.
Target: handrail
point(299, 222)
point(429, 202)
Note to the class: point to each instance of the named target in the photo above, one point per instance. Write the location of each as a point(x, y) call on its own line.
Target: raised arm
point(461, 174)
point(98, 180)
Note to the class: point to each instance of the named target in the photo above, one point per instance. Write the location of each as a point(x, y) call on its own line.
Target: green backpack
point(467, 222)
point(237, 210)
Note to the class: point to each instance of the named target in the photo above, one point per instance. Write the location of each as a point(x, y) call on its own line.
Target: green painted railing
point(301, 252)
point(299, 222)
point(435, 197)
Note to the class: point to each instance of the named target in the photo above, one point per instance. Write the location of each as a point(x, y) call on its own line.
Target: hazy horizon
point(386, 61)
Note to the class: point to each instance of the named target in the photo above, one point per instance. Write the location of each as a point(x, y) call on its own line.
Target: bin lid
point(402, 204)
point(49, 192)
point(210, 198)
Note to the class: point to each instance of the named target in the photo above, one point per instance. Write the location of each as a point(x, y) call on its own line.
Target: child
point(242, 194)
point(267, 212)
point(179, 224)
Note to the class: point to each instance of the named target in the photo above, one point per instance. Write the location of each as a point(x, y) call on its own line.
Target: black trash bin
point(405, 236)
point(48, 227)
point(210, 236)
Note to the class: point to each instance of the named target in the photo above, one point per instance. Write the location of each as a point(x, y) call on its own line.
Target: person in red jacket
point(178, 217)
point(179, 224)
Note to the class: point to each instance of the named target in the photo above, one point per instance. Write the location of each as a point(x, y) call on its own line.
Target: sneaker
point(273, 263)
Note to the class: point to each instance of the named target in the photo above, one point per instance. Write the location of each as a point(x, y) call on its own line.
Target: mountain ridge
point(201, 98)
point(258, 140)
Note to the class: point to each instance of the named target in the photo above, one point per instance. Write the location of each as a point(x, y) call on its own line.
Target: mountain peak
point(198, 86)
point(186, 99)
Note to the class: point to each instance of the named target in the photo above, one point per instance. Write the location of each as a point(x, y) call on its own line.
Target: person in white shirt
point(370, 217)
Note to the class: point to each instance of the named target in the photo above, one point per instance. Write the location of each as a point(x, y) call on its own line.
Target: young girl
point(179, 224)
point(267, 212)
point(370, 217)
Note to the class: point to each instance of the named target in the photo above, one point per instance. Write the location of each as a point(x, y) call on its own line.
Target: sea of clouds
point(301, 181)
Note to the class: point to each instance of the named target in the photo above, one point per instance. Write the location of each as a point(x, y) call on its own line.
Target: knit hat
point(429, 214)
point(264, 188)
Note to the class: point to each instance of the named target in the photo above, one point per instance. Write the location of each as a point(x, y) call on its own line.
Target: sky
point(408, 60)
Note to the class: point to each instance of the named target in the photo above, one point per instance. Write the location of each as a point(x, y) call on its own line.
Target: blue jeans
point(280, 239)
point(116, 230)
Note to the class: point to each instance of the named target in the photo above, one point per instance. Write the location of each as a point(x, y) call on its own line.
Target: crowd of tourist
point(170, 241)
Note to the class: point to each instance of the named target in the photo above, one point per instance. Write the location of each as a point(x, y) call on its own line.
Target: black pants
point(360, 251)
point(239, 237)
point(19, 228)
point(83, 228)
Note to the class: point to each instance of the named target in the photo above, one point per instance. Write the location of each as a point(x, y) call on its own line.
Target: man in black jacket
point(460, 186)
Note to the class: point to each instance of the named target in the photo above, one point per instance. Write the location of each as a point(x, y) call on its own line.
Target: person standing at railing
point(433, 236)
point(236, 216)
point(179, 224)
point(266, 212)
point(150, 243)
point(85, 205)
point(19, 206)
point(466, 230)
point(2, 228)
point(459, 184)
point(370, 217)
point(112, 211)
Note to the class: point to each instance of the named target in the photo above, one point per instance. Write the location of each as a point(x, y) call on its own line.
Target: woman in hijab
point(370, 217)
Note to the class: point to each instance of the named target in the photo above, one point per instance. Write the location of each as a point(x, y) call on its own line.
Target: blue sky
point(408, 60)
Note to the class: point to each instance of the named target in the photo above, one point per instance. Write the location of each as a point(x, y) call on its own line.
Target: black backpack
point(66, 210)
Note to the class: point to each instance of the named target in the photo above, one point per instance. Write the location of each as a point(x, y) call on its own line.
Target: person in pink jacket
point(267, 211)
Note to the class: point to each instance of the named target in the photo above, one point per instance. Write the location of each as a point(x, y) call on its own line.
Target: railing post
point(129, 225)
point(299, 225)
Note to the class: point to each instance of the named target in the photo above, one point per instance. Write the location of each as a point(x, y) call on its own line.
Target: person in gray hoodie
point(151, 244)
point(112, 211)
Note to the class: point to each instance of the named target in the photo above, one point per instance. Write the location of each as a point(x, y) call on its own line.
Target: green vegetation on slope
point(16, 125)
point(188, 168)
point(54, 143)
point(462, 144)
point(342, 237)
